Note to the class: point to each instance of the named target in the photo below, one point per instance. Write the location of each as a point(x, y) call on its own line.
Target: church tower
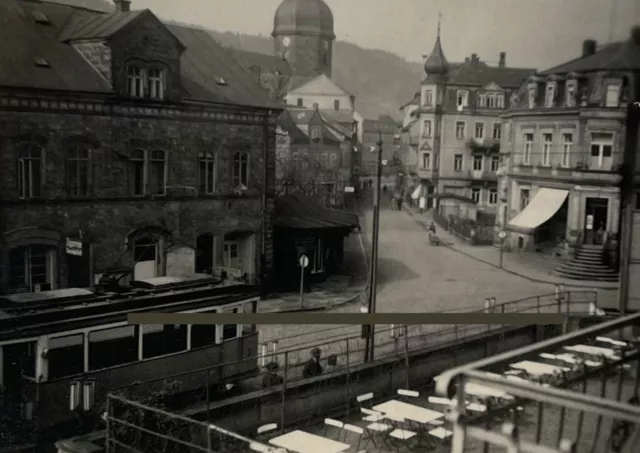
point(303, 35)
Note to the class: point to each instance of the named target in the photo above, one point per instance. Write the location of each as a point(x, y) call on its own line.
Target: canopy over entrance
point(544, 205)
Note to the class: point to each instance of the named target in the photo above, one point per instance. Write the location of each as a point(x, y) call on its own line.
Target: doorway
point(145, 255)
point(204, 254)
point(16, 360)
point(595, 221)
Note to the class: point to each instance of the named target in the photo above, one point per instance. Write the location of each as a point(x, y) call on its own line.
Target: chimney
point(466, 59)
point(635, 35)
point(474, 57)
point(588, 47)
point(503, 60)
point(124, 6)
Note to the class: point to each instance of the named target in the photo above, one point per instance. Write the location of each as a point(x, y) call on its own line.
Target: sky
point(533, 33)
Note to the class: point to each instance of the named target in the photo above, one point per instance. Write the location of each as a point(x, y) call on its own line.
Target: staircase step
point(581, 265)
point(590, 271)
point(587, 260)
point(591, 246)
point(589, 252)
point(576, 275)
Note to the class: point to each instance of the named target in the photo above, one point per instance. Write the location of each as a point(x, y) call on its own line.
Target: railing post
point(107, 421)
point(284, 388)
point(207, 394)
point(348, 379)
point(406, 355)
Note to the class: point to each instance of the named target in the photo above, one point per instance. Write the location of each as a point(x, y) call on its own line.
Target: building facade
point(565, 136)
point(119, 160)
point(459, 127)
point(387, 129)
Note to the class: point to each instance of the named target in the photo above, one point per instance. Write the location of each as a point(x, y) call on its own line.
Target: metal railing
point(582, 397)
point(280, 385)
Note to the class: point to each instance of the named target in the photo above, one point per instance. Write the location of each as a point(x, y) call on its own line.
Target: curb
point(509, 271)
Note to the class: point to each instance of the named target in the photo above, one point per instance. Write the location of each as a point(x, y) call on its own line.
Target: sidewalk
point(313, 301)
point(535, 269)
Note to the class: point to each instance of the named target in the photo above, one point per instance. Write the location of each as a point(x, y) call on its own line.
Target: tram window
point(249, 307)
point(112, 347)
point(158, 339)
point(230, 331)
point(66, 356)
point(202, 335)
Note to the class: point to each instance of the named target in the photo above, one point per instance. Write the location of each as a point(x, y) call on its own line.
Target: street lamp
point(370, 337)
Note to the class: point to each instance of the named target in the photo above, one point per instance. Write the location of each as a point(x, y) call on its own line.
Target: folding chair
point(263, 431)
point(358, 431)
point(407, 394)
point(338, 425)
point(368, 414)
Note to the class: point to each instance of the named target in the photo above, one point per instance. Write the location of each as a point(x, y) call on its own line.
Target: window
point(495, 100)
point(532, 96)
point(299, 102)
point(460, 129)
point(230, 331)
point(567, 142)
point(426, 128)
point(203, 335)
point(525, 195)
point(316, 133)
point(500, 100)
point(159, 339)
point(112, 347)
point(495, 163)
point(475, 194)
point(29, 171)
point(477, 163)
point(137, 171)
point(457, 162)
point(547, 140)
point(135, 81)
point(65, 356)
point(32, 268)
point(549, 95)
point(528, 145)
point(156, 83)
point(428, 97)
point(426, 161)
point(336, 104)
point(482, 100)
point(493, 196)
point(570, 100)
point(78, 171)
point(317, 264)
point(207, 172)
point(240, 169)
point(497, 131)
point(612, 97)
point(479, 131)
point(231, 255)
point(158, 172)
point(462, 98)
point(334, 160)
point(601, 151)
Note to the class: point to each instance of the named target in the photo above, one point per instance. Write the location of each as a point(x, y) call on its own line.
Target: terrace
point(154, 414)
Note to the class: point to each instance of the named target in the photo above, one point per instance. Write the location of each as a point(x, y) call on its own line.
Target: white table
point(537, 368)
point(482, 391)
point(408, 411)
point(592, 350)
point(304, 442)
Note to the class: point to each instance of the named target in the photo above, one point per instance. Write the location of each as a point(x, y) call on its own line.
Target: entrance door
point(146, 259)
point(595, 222)
point(204, 253)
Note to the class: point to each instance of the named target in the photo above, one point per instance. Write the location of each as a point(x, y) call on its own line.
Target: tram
point(63, 351)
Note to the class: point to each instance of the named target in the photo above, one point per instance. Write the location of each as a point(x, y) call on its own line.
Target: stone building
point(459, 120)
point(129, 148)
point(565, 134)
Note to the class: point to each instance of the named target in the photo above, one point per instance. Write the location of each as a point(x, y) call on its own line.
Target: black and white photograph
point(319, 226)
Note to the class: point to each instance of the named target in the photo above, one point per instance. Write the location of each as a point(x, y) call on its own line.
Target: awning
point(416, 193)
point(544, 205)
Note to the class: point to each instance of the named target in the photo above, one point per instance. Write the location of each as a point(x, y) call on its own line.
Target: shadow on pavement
point(391, 270)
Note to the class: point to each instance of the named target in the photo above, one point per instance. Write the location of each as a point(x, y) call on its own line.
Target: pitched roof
point(415, 100)
point(300, 212)
point(322, 83)
point(97, 26)
point(266, 63)
point(480, 74)
point(22, 40)
point(620, 56)
point(337, 116)
point(285, 121)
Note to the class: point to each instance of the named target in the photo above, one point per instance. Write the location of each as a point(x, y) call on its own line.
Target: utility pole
point(370, 338)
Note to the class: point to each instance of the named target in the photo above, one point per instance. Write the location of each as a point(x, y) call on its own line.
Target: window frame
point(601, 143)
point(153, 82)
point(528, 147)
point(77, 161)
point(458, 159)
point(427, 131)
point(426, 159)
point(462, 98)
point(477, 159)
point(523, 190)
point(570, 91)
point(140, 93)
point(549, 94)
point(336, 104)
point(481, 125)
point(495, 160)
point(615, 103)
point(237, 170)
point(165, 170)
point(428, 97)
point(567, 146)
point(546, 149)
point(206, 159)
point(463, 129)
point(24, 162)
point(492, 198)
point(497, 127)
point(474, 191)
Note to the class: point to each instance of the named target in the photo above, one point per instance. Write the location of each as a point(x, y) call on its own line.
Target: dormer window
point(156, 83)
point(482, 100)
point(532, 95)
point(570, 93)
point(315, 133)
point(462, 98)
point(550, 94)
point(612, 97)
point(135, 81)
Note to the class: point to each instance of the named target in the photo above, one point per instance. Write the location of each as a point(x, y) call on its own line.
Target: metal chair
point(337, 424)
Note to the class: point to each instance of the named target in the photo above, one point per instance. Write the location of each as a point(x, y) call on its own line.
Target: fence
point(590, 404)
point(466, 229)
point(280, 390)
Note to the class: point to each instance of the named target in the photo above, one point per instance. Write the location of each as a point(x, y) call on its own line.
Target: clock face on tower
point(286, 41)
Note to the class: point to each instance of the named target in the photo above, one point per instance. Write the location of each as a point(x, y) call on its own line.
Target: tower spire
point(439, 20)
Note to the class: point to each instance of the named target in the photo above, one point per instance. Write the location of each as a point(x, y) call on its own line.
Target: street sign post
point(502, 235)
point(304, 262)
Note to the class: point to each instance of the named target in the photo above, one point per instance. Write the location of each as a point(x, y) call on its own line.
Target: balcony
point(579, 173)
point(482, 175)
point(484, 145)
point(576, 393)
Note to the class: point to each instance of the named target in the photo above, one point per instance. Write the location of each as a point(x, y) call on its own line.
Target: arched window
point(135, 80)
point(32, 268)
point(148, 172)
point(29, 171)
point(137, 171)
point(157, 83)
point(206, 172)
point(240, 175)
point(157, 172)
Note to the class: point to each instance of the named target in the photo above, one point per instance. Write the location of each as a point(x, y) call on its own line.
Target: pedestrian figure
point(313, 368)
point(400, 203)
point(271, 379)
point(432, 227)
